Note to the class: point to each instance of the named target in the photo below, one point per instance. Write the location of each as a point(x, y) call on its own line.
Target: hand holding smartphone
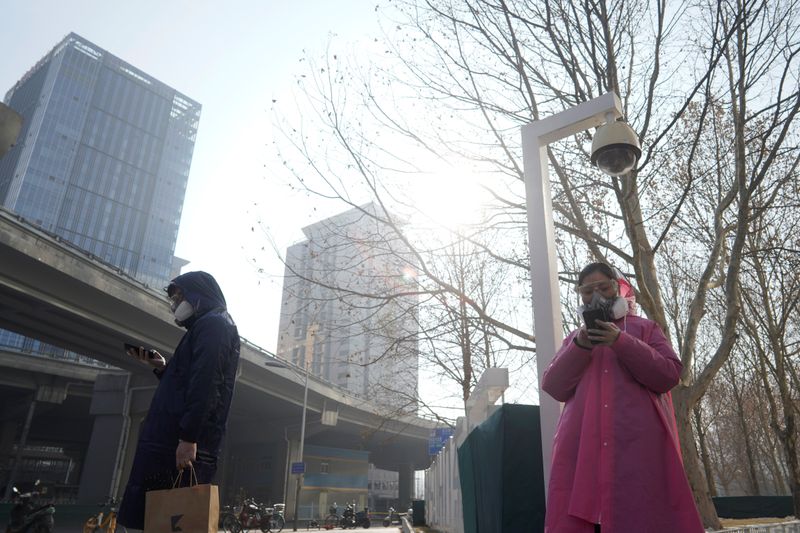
point(151, 354)
point(145, 355)
point(590, 318)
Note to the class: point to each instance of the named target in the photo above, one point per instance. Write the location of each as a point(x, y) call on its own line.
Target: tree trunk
point(789, 438)
point(694, 473)
point(779, 474)
point(644, 265)
point(701, 437)
point(794, 464)
point(748, 447)
point(466, 351)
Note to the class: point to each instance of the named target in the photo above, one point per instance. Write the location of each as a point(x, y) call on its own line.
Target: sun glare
point(409, 274)
point(450, 198)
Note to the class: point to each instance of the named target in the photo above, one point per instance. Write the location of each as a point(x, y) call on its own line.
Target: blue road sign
point(437, 439)
point(298, 468)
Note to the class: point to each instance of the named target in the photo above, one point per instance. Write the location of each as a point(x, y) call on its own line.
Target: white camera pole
point(543, 262)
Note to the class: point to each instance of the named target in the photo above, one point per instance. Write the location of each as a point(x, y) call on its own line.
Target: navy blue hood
point(201, 290)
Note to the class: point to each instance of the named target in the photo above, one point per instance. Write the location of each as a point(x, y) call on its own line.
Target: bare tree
point(711, 89)
point(770, 320)
point(357, 296)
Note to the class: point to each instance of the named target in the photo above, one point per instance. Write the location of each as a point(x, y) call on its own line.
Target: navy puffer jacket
point(193, 398)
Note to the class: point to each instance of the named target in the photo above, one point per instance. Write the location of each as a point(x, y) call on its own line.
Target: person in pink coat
point(617, 463)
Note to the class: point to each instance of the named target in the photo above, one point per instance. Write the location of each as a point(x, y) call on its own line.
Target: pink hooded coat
point(616, 456)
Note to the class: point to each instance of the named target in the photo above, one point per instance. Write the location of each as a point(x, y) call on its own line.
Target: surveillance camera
point(615, 148)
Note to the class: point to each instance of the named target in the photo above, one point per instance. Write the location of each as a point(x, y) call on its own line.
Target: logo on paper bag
point(174, 519)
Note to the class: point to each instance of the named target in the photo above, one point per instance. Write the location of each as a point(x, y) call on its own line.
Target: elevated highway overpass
point(55, 292)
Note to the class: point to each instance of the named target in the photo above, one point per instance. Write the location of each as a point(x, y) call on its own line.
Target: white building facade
point(349, 311)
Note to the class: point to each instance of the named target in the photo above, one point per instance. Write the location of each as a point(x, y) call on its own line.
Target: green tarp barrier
point(753, 506)
point(500, 466)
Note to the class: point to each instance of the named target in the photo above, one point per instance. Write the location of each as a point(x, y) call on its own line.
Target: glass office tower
point(103, 157)
point(102, 160)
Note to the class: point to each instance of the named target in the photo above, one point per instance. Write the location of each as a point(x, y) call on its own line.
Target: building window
point(324, 468)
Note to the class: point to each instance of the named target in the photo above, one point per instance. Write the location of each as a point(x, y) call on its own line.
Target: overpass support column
point(290, 480)
point(101, 465)
point(8, 432)
point(20, 448)
point(405, 487)
point(140, 394)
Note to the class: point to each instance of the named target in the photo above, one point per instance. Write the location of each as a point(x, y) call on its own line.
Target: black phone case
point(591, 317)
point(150, 353)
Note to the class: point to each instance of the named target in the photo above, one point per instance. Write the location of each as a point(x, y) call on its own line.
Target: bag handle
point(192, 477)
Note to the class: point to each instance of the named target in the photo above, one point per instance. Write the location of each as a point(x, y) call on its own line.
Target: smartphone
point(591, 316)
point(151, 354)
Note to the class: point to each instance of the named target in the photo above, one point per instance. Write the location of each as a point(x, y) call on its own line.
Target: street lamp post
point(299, 485)
point(302, 441)
point(544, 273)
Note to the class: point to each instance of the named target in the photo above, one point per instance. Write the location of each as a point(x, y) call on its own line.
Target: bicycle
point(249, 515)
point(229, 523)
point(276, 522)
point(103, 520)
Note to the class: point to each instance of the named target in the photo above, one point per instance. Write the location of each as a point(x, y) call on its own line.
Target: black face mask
point(616, 307)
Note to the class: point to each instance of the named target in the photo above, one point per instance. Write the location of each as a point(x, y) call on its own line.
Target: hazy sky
point(233, 58)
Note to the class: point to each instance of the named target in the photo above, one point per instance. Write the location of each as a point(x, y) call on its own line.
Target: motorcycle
point(26, 517)
point(362, 518)
point(348, 519)
point(351, 519)
point(251, 515)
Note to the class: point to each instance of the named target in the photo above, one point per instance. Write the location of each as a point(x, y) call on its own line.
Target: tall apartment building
point(103, 158)
point(339, 314)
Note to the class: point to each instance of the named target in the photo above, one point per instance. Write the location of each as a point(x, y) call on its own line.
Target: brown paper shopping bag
point(192, 509)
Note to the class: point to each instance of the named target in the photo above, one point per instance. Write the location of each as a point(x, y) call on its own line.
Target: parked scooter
point(392, 518)
point(27, 517)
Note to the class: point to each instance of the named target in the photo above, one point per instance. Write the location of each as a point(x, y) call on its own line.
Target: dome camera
point(615, 148)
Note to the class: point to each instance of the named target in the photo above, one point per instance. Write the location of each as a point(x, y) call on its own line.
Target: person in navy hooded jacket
point(187, 415)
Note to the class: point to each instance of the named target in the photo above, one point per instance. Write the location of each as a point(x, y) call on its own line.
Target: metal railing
point(300, 371)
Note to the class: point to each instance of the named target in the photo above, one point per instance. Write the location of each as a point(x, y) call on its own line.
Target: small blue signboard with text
point(298, 468)
point(437, 439)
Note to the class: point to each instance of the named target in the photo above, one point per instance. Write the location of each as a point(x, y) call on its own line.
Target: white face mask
point(182, 311)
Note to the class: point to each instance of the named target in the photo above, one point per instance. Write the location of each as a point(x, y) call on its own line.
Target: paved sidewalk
point(784, 527)
point(70, 528)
